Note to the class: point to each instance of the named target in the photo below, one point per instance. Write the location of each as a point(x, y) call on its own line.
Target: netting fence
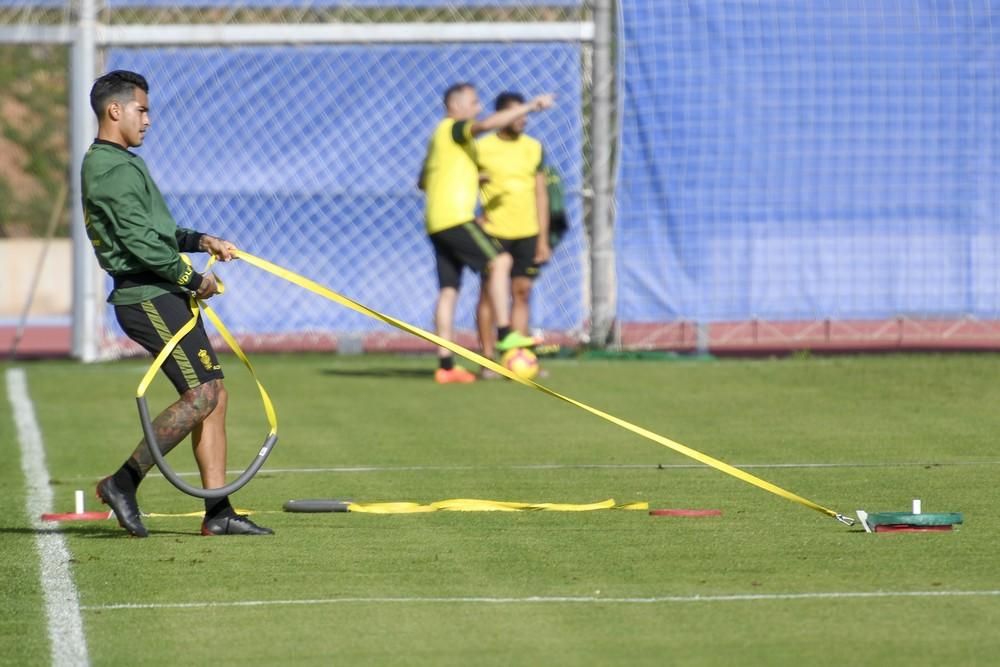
point(786, 175)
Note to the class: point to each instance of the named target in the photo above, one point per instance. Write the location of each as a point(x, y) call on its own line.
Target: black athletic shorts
point(464, 245)
point(153, 323)
point(523, 252)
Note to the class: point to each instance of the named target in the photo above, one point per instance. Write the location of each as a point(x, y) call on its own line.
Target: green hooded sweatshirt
point(134, 236)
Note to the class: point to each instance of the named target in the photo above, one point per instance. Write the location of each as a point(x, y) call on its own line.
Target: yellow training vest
point(450, 177)
point(509, 199)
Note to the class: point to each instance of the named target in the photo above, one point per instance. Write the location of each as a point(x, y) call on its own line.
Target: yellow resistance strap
point(316, 288)
point(272, 417)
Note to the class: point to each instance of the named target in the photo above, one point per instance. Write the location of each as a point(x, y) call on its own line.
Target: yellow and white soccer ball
point(521, 362)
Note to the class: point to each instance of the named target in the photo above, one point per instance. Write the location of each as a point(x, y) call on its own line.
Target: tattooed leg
point(174, 424)
point(209, 441)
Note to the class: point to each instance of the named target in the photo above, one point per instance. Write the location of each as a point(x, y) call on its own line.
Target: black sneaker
point(233, 524)
point(123, 505)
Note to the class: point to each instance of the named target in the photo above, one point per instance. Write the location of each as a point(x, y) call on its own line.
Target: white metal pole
point(86, 285)
point(602, 252)
point(345, 33)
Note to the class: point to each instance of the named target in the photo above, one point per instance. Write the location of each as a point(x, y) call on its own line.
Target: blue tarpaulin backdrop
point(800, 160)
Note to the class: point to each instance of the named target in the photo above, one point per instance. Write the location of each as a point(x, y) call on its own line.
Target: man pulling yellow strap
point(327, 293)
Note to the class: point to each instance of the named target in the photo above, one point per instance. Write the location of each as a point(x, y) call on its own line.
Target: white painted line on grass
point(62, 602)
point(761, 597)
point(593, 466)
point(568, 466)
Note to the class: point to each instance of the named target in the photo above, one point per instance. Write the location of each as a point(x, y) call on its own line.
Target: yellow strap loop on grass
point(327, 293)
point(474, 505)
point(455, 505)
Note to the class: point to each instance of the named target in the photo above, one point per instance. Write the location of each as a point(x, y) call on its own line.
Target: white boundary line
point(579, 466)
point(62, 601)
point(763, 597)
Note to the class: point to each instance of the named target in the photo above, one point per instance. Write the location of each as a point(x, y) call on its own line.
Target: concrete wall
point(18, 265)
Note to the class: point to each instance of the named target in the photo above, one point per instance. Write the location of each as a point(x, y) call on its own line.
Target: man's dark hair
point(117, 85)
point(506, 99)
point(454, 89)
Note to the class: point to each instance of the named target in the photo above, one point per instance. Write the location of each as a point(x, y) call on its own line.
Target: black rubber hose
point(174, 478)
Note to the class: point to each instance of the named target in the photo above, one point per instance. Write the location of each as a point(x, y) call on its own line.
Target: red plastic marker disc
point(667, 512)
point(73, 516)
point(906, 528)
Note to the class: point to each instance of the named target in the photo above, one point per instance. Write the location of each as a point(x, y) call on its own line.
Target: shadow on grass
point(424, 374)
point(90, 532)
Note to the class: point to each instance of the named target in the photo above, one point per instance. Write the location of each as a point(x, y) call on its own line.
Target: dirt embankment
point(34, 139)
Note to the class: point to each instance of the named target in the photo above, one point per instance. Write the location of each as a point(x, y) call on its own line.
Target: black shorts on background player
point(464, 245)
point(523, 252)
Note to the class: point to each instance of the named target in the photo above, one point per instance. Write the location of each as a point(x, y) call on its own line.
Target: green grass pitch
point(768, 582)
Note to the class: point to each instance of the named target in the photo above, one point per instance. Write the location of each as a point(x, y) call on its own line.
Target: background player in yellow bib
point(516, 210)
point(450, 177)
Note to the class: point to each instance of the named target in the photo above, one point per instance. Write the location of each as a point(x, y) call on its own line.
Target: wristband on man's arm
point(189, 241)
point(196, 242)
point(195, 281)
point(189, 279)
